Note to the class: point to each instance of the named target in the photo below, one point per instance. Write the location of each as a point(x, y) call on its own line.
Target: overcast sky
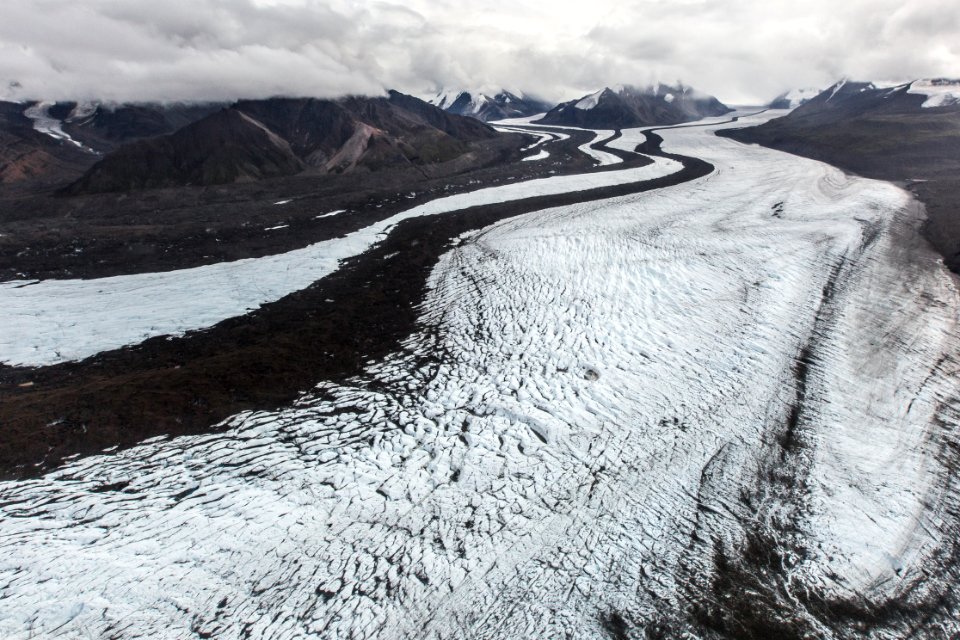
point(740, 50)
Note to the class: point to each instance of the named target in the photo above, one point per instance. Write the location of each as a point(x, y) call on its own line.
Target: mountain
point(908, 132)
point(850, 115)
point(257, 139)
point(100, 126)
point(627, 106)
point(44, 144)
point(104, 126)
point(793, 98)
point(484, 107)
point(938, 92)
point(227, 146)
point(31, 158)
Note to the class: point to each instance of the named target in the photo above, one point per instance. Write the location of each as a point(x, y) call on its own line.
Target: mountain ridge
point(909, 133)
point(502, 105)
point(258, 139)
point(626, 106)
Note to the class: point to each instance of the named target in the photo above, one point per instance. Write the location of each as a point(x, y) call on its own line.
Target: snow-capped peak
point(445, 98)
point(486, 105)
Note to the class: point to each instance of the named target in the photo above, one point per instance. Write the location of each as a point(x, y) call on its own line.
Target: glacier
point(628, 416)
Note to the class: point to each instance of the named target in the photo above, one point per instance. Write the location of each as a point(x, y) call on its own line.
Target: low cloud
point(743, 51)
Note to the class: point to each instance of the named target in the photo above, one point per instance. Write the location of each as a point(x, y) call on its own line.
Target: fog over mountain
point(739, 50)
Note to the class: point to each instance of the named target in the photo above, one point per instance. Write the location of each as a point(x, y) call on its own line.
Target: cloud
point(740, 50)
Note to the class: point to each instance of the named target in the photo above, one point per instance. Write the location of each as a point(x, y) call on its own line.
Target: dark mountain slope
point(105, 127)
point(884, 133)
point(30, 160)
point(258, 139)
point(72, 136)
point(228, 146)
point(627, 106)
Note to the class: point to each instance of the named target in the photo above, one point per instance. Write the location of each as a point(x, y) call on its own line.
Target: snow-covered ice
point(939, 92)
point(602, 157)
point(615, 400)
point(330, 215)
point(599, 135)
point(518, 121)
point(590, 101)
point(541, 137)
point(54, 321)
point(629, 139)
point(46, 124)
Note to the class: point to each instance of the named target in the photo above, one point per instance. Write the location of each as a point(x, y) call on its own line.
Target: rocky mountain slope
point(628, 106)
point(481, 106)
point(45, 144)
point(257, 139)
point(909, 132)
point(104, 126)
point(30, 159)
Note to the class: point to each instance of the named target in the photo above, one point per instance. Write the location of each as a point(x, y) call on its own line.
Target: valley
point(710, 392)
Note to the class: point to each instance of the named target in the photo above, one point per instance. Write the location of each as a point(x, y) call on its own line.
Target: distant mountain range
point(481, 106)
point(117, 147)
point(628, 106)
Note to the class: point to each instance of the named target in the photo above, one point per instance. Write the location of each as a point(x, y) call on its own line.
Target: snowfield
point(44, 123)
point(939, 92)
point(618, 400)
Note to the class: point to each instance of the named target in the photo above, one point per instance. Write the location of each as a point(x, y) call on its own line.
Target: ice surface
point(602, 157)
point(330, 215)
point(608, 384)
point(629, 139)
point(940, 92)
point(518, 121)
point(541, 155)
point(48, 125)
point(541, 137)
point(54, 321)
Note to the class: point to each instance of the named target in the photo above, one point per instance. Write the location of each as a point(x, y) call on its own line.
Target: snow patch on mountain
point(591, 100)
point(486, 106)
point(940, 92)
point(46, 124)
point(444, 99)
